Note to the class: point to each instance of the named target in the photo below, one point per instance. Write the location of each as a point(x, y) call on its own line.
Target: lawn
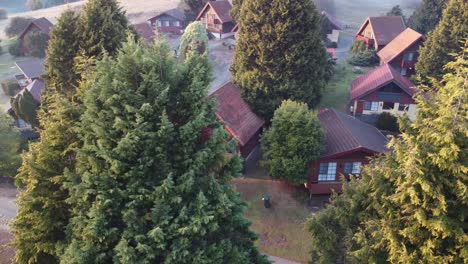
point(336, 94)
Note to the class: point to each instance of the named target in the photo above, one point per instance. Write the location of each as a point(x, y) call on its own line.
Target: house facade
point(377, 32)
point(402, 52)
point(40, 27)
point(240, 121)
point(349, 143)
point(170, 21)
point(383, 89)
point(215, 16)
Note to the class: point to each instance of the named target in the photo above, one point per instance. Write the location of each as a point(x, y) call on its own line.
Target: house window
point(388, 106)
point(352, 167)
point(177, 23)
point(371, 106)
point(409, 56)
point(166, 23)
point(158, 23)
point(327, 171)
point(403, 107)
point(403, 71)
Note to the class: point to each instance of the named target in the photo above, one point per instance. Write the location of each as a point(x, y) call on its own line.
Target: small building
point(349, 143)
point(402, 52)
point(383, 89)
point(377, 32)
point(38, 26)
point(215, 16)
point(240, 121)
point(145, 31)
point(32, 69)
point(331, 21)
point(170, 21)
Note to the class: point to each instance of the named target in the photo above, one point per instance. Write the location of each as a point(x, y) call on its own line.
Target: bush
point(17, 26)
point(358, 47)
point(387, 122)
point(365, 58)
point(10, 87)
point(14, 48)
point(3, 14)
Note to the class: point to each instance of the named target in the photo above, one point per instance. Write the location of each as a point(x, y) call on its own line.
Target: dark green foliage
point(14, 48)
point(280, 54)
point(427, 16)
point(329, 67)
point(194, 40)
point(294, 139)
point(10, 87)
point(195, 6)
point(236, 7)
point(150, 188)
point(387, 122)
point(10, 160)
point(365, 58)
point(3, 14)
point(358, 47)
point(62, 49)
point(395, 11)
point(17, 25)
point(25, 107)
point(445, 40)
point(410, 205)
point(38, 44)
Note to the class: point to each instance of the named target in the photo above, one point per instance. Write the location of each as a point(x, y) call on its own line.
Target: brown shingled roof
point(385, 28)
point(399, 44)
point(378, 78)
point(345, 133)
point(221, 8)
point(236, 113)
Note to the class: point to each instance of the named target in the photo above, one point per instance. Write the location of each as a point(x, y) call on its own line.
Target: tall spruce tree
point(443, 41)
point(427, 16)
point(280, 54)
point(152, 187)
point(25, 107)
point(235, 11)
point(411, 205)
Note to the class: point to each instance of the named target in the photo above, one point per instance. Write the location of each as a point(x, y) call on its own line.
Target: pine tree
point(10, 159)
point(195, 6)
point(443, 41)
point(395, 11)
point(294, 139)
point(150, 188)
point(235, 11)
point(25, 107)
point(279, 54)
point(427, 16)
point(410, 205)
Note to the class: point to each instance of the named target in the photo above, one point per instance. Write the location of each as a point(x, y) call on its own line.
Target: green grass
point(337, 91)
point(282, 228)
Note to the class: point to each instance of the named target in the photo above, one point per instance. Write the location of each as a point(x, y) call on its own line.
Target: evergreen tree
point(395, 11)
point(427, 16)
point(195, 38)
point(195, 6)
point(443, 41)
point(280, 54)
point(294, 139)
point(151, 188)
point(410, 205)
point(10, 159)
point(25, 107)
point(235, 11)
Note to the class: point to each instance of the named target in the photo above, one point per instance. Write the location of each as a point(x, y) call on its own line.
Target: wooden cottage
point(349, 143)
point(215, 16)
point(402, 52)
point(377, 32)
point(170, 21)
point(240, 121)
point(40, 26)
point(383, 89)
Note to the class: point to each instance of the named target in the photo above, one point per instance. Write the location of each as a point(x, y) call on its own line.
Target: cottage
point(377, 32)
point(170, 21)
point(145, 31)
point(383, 89)
point(402, 52)
point(215, 16)
point(240, 121)
point(40, 26)
point(349, 143)
point(32, 69)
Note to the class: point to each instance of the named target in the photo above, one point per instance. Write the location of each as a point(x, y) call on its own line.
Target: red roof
point(385, 28)
point(378, 78)
point(221, 8)
point(399, 44)
point(145, 31)
point(344, 133)
point(240, 120)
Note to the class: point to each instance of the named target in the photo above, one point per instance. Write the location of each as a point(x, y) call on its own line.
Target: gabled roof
point(332, 20)
point(240, 120)
point(399, 44)
point(378, 78)
point(385, 28)
point(35, 88)
point(145, 31)
point(235, 28)
point(344, 133)
point(32, 69)
point(221, 8)
point(175, 13)
point(42, 23)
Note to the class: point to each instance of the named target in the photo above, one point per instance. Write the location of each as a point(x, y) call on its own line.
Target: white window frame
point(374, 106)
point(176, 23)
point(330, 175)
point(158, 23)
point(166, 23)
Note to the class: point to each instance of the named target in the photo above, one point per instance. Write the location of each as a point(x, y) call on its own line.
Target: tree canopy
point(427, 16)
point(194, 39)
point(25, 107)
point(10, 159)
